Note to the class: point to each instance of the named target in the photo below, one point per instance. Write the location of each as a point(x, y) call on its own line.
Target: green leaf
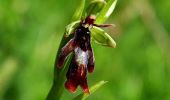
point(71, 27)
point(79, 11)
point(101, 37)
point(106, 11)
point(95, 87)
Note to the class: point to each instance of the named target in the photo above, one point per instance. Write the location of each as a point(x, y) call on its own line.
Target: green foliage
point(137, 69)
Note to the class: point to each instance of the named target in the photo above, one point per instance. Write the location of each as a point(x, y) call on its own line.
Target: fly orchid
point(83, 60)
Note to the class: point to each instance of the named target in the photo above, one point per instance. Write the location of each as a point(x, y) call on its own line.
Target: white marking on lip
point(84, 38)
point(81, 56)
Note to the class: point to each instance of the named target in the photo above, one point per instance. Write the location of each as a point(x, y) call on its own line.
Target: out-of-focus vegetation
point(138, 69)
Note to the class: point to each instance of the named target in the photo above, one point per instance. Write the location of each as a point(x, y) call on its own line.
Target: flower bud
point(95, 7)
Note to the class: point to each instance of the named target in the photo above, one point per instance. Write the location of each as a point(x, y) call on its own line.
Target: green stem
point(59, 75)
point(55, 92)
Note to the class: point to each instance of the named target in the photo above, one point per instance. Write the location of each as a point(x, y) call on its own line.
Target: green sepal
point(71, 27)
point(101, 37)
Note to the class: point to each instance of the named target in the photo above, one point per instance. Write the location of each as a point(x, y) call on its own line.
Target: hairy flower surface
point(83, 60)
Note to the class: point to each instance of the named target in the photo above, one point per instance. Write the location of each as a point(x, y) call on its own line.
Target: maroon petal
point(84, 85)
point(71, 85)
point(82, 70)
point(69, 47)
point(72, 82)
point(76, 75)
point(91, 61)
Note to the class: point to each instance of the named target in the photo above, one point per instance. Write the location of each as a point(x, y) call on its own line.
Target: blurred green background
point(138, 69)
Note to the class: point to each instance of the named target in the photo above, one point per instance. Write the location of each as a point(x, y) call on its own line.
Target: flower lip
point(82, 62)
point(76, 76)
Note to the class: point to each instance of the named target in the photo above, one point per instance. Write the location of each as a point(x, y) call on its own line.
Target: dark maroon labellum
point(83, 60)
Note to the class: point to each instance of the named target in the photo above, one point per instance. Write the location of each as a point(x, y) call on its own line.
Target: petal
point(81, 56)
point(71, 85)
point(72, 81)
point(84, 85)
point(91, 60)
point(76, 75)
point(69, 47)
point(81, 75)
